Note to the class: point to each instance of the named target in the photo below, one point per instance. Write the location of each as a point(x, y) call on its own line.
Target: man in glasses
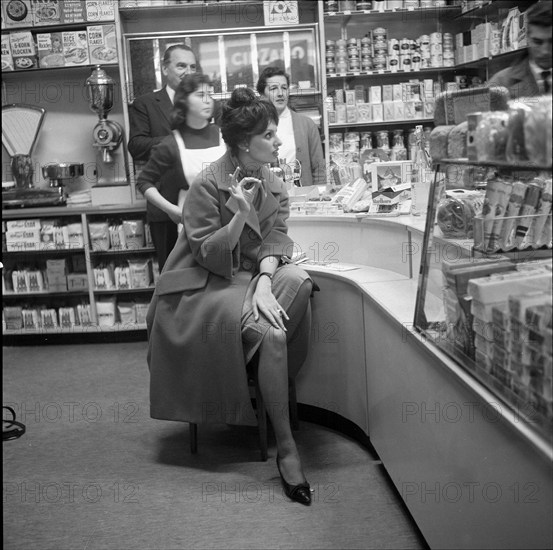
point(149, 117)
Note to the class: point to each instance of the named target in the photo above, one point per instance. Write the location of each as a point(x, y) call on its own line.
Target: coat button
point(252, 234)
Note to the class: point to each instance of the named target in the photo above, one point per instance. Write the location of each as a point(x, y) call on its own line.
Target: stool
point(261, 415)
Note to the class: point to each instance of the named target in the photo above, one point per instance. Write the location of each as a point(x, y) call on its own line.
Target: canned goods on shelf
point(436, 61)
point(330, 67)
point(436, 38)
point(381, 49)
point(393, 63)
point(380, 33)
point(404, 45)
point(436, 49)
point(351, 136)
point(341, 43)
point(379, 63)
point(341, 67)
point(366, 66)
point(393, 45)
point(448, 62)
point(405, 62)
point(353, 65)
point(366, 52)
point(352, 41)
point(409, 4)
point(348, 5)
point(364, 5)
point(330, 44)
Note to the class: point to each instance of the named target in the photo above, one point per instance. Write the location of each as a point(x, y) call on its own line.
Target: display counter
point(472, 472)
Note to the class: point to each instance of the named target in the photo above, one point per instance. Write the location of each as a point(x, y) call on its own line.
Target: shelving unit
point(87, 257)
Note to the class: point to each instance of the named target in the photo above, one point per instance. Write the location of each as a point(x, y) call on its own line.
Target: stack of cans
point(424, 49)
point(330, 53)
point(353, 55)
point(436, 50)
point(366, 53)
point(380, 49)
point(448, 50)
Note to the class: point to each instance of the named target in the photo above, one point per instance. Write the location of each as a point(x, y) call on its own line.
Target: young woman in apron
point(195, 143)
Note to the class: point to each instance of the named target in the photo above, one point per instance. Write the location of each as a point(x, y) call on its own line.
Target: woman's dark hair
point(267, 73)
point(188, 85)
point(244, 116)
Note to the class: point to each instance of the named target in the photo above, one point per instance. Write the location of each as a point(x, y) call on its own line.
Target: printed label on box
point(50, 50)
point(102, 45)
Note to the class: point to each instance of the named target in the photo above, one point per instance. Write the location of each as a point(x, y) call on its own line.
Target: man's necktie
point(545, 76)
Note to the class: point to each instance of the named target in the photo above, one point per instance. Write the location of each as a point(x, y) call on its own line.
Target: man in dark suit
point(531, 75)
point(150, 117)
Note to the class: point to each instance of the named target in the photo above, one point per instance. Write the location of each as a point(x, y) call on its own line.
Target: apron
point(195, 160)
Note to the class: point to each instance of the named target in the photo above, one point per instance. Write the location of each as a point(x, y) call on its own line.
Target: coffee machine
point(107, 135)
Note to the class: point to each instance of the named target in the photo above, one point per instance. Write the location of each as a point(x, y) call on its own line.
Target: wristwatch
point(270, 275)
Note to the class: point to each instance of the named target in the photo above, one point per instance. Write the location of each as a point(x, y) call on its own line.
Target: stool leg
point(293, 405)
point(193, 430)
point(261, 421)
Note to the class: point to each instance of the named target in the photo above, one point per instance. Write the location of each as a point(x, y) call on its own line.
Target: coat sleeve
point(164, 157)
point(208, 238)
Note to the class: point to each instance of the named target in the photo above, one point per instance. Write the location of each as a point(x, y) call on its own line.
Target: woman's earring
point(247, 149)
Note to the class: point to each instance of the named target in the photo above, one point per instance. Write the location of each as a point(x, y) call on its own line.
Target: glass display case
point(484, 289)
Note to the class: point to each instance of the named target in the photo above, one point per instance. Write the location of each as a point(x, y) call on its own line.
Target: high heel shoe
point(300, 493)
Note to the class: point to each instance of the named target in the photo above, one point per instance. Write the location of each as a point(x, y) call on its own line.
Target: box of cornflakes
point(100, 10)
point(102, 44)
point(75, 48)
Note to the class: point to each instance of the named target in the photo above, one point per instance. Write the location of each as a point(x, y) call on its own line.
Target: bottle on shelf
point(420, 179)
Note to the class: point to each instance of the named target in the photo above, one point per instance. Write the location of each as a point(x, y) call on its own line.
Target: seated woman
point(224, 294)
point(194, 143)
point(299, 134)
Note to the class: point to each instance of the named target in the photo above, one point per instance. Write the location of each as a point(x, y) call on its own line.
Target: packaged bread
point(453, 107)
point(457, 141)
point(438, 142)
point(537, 131)
point(456, 213)
point(516, 149)
point(491, 136)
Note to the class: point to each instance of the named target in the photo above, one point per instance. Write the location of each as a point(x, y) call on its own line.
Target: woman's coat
point(195, 356)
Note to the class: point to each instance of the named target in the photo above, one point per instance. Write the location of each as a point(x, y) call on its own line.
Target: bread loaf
point(537, 131)
point(491, 136)
point(457, 141)
point(438, 142)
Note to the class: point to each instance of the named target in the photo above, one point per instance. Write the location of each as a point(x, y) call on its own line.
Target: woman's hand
point(264, 301)
point(244, 191)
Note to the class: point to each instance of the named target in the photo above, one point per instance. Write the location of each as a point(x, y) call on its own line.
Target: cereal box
point(23, 50)
point(46, 12)
point(100, 10)
point(7, 61)
point(75, 48)
point(102, 44)
point(73, 11)
point(50, 50)
point(16, 13)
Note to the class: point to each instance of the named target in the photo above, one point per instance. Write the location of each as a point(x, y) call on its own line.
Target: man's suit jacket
point(149, 117)
point(518, 79)
point(309, 150)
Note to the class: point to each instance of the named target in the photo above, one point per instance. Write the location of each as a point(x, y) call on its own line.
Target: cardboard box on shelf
point(75, 48)
point(102, 44)
point(17, 14)
point(77, 281)
point(100, 10)
point(50, 50)
point(46, 12)
point(23, 50)
point(73, 11)
point(7, 59)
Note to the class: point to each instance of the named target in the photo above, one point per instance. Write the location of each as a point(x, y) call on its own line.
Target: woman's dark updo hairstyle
point(188, 85)
point(244, 116)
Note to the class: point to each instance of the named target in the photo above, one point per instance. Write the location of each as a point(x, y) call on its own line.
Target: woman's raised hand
point(244, 191)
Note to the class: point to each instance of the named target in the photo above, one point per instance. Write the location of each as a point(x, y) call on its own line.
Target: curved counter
point(471, 472)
